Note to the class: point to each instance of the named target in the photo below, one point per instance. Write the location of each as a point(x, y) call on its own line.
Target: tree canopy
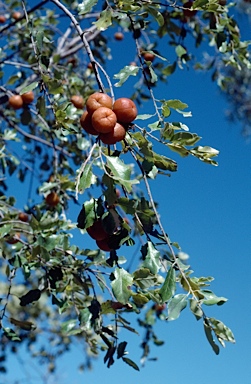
point(59, 141)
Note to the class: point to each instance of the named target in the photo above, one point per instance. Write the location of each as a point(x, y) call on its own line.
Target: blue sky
point(208, 211)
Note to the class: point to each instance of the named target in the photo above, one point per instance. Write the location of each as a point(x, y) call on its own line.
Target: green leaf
point(208, 332)
point(68, 326)
point(168, 288)
point(152, 258)
point(87, 178)
point(121, 285)
point(130, 362)
point(121, 172)
point(176, 305)
point(222, 331)
point(29, 87)
point(144, 117)
point(156, 14)
point(154, 77)
point(10, 334)
point(86, 6)
point(125, 73)
point(105, 20)
point(210, 298)
point(164, 163)
point(180, 51)
point(195, 309)
point(121, 349)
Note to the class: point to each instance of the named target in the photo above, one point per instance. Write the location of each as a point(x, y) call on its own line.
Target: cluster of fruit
point(17, 101)
point(97, 232)
point(15, 15)
point(107, 120)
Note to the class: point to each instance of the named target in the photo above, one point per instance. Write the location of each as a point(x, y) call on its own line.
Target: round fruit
point(117, 134)
point(52, 199)
point(96, 231)
point(77, 101)
point(187, 12)
point(125, 110)
point(16, 101)
point(97, 100)
point(86, 123)
point(2, 19)
point(13, 239)
point(118, 36)
point(16, 15)
point(104, 120)
point(28, 97)
point(23, 217)
point(103, 245)
point(89, 66)
point(149, 56)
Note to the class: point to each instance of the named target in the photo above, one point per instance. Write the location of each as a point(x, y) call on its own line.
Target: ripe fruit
point(149, 56)
point(16, 15)
point(52, 199)
point(97, 100)
point(187, 12)
point(118, 36)
point(117, 134)
point(16, 101)
point(2, 19)
point(28, 97)
point(23, 217)
point(86, 123)
point(96, 231)
point(13, 239)
point(125, 110)
point(104, 120)
point(89, 65)
point(103, 245)
point(77, 101)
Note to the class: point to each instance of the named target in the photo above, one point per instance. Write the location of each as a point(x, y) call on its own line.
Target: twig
point(81, 170)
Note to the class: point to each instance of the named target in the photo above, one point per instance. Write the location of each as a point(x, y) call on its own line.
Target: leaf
point(105, 20)
point(25, 325)
point(195, 309)
point(154, 77)
point(156, 14)
point(121, 349)
point(144, 117)
point(208, 332)
point(10, 334)
point(125, 73)
point(152, 258)
point(210, 298)
point(222, 331)
point(87, 178)
point(131, 363)
point(180, 51)
point(121, 285)
point(164, 163)
point(176, 305)
point(29, 87)
point(86, 6)
point(121, 172)
point(168, 288)
point(29, 297)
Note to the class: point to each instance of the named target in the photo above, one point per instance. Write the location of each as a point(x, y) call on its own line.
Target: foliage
point(48, 280)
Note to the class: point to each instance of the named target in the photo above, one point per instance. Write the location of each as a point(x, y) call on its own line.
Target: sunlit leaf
point(168, 288)
point(121, 285)
point(125, 73)
point(176, 305)
point(152, 259)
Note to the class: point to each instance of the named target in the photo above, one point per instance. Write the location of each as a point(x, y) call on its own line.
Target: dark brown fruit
point(118, 36)
point(103, 245)
point(96, 231)
point(28, 97)
point(23, 217)
point(52, 199)
point(117, 134)
point(2, 19)
point(149, 56)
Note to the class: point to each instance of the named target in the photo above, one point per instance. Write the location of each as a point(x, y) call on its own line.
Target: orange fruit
point(77, 101)
point(28, 97)
point(125, 110)
point(52, 199)
point(117, 134)
point(86, 123)
point(104, 120)
point(97, 100)
point(16, 101)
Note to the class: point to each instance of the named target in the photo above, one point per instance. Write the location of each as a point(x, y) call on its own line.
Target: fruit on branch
point(125, 110)
point(187, 12)
point(148, 56)
point(77, 101)
point(16, 101)
point(52, 199)
point(117, 134)
point(23, 217)
point(16, 15)
point(103, 245)
point(89, 66)
point(96, 231)
point(97, 100)
point(86, 123)
point(28, 97)
point(104, 120)
point(13, 239)
point(2, 19)
point(118, 36)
